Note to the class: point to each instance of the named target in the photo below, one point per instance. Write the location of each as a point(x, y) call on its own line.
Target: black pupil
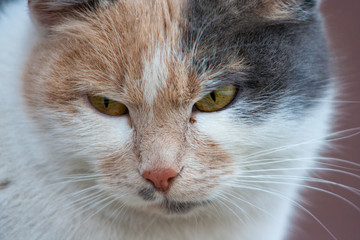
point(213, 96)
point(106, 102)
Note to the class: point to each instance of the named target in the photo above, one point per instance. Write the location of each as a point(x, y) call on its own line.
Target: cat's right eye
point(217, 99)
point(107, 106)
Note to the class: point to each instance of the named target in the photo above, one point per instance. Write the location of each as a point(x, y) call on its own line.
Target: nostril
point(161, 178)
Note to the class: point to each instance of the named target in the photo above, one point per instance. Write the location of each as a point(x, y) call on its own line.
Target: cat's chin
point(171, 208)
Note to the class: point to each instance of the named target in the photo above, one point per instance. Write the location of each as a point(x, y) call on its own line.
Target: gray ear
point(309, 4)
point(288, 9)
point(51, 12)
point(267, 10)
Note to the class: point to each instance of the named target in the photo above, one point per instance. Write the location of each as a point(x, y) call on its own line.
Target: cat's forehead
point(171, 53)
point(139, 52)
point(142, 44)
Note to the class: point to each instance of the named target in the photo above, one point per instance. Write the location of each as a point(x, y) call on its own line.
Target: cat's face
point(159, 58)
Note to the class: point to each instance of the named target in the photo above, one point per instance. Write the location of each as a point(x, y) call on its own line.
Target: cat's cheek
point(230, 135)
point(92, 136)
point(220, 128)
point(121, 178)
point(208, 164)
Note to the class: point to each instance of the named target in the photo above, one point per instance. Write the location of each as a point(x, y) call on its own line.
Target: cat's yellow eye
point(217, 99)
point(107, 106)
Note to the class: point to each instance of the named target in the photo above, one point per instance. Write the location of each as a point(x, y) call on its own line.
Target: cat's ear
point(290, 9)
point(51, 12)
point(302, 4)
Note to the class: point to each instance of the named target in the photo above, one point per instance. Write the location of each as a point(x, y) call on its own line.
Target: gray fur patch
point(175, 207)
point(4, 184)
point(179, 207)
point(287, 60)
point(147, 194)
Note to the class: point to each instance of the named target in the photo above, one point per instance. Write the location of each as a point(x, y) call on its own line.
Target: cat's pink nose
point(161, 178)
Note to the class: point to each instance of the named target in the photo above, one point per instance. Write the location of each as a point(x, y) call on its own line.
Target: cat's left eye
point(107, 106)
point(217, 99)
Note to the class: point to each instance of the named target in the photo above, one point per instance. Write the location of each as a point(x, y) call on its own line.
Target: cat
point(159, 119)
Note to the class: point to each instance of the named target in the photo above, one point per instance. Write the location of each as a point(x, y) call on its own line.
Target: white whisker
point(295, 203)
point(303, 186)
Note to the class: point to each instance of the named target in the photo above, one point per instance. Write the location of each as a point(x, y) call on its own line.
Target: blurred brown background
point(342, 19)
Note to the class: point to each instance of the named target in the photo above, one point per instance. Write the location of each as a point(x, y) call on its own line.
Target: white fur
point(290, 139)
point(155, 73)
point(34, 208)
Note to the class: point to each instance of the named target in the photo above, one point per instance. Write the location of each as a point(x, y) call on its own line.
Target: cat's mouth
point(170, 206)
point(176, 207)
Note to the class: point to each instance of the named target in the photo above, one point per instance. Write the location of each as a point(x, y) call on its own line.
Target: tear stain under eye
point(192, 120)
point(147, 193)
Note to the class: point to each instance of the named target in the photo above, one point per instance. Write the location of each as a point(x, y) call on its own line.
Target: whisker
point(249, 203)
point(78, 178)
point(307, 179)
point(221, 200)
point(334, 101)
point(86, 190)
point(302, 168)
point(121, 210)
point(295, 203)
point(270, 161)
point(326, 138)
point(322, 161)
point(84, 176)
point(234, 204)
point(304, 186)
point(84, 200)
point(99, 209)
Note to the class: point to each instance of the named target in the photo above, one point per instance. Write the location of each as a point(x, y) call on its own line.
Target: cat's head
point(174, 104)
